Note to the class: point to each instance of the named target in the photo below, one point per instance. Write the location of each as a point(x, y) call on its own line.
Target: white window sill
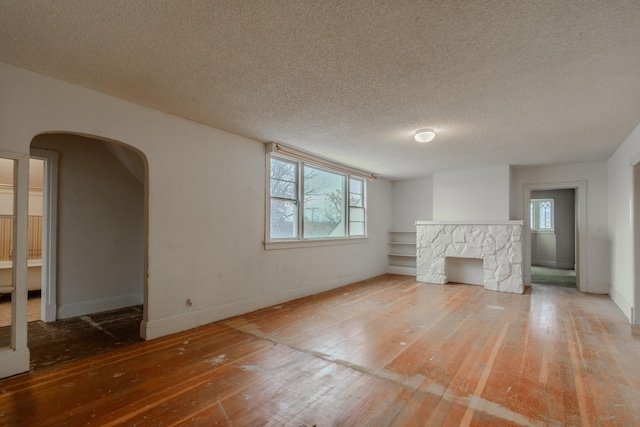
point(543, 232)
point(292, 244)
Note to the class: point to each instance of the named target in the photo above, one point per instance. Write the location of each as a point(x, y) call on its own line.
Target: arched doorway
point(98, 237)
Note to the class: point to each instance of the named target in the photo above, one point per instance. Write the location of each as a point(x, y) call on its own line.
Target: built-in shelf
point(402, 252)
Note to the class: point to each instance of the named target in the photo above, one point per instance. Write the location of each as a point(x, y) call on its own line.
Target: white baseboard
point(51, 313)
point(398, 269)
point(182, 322)
point(566, 265)
point(621, 303)
point(553, 264)
point(75, 309)
point(14, 362)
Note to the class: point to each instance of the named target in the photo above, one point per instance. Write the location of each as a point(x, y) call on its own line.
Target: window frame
point(300, 240)
point(295, 200)
point(535, 221)
point(362, 205)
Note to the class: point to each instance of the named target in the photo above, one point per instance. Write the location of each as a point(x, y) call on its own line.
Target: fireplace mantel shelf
point(491, 222)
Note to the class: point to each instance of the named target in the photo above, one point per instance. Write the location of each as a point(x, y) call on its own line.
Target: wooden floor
point(55, 343)
point(386, 351)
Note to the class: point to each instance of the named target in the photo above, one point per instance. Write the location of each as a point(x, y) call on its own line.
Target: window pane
point(6, 208)
point(323, 203)
point(356, 214)
point(6, 187)
point(283, 179)
point(283, 189)
point(355, 186)
point(545, 215)
point(283, 170)
point(542, 214)
point(355, 200)
point(356, 228)
point(284, 219)
point(355, 192)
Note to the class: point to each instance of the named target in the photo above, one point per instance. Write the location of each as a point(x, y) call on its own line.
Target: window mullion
point(300, 194)
point(286, 199)
point(364, 209)
point(347, 205)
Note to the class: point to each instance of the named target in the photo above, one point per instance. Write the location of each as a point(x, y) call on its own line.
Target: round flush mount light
point(425, 135)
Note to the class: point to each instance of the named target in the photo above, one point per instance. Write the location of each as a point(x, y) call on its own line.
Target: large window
point(331, 204)
point(542, 215)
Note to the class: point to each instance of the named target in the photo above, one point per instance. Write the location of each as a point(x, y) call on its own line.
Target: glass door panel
point(7, 258)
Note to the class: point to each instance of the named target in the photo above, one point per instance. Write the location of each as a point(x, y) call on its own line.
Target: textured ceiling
point(502, 82)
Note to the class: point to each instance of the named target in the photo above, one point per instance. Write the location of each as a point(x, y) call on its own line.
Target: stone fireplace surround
point(497, 243)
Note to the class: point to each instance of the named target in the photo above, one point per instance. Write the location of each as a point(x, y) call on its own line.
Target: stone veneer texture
point(498, 245)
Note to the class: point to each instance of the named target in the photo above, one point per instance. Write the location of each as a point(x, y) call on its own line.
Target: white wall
point(206, 206)
point(475, 194)
point(101, 230)
point(412, 201)
point(471, 195)
point(621, 233)
point(597, 240)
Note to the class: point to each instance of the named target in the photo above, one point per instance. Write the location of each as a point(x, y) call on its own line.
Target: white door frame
point(635, 243)
point(580, 187)
point(49, 232)
point(14, 359)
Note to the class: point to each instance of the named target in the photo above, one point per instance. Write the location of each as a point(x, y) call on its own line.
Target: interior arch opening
point(93, 295)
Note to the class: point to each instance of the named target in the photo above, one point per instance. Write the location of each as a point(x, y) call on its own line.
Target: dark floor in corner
point(66, 340)
point(553, 276)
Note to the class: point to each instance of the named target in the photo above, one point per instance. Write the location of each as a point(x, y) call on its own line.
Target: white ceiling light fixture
point(425, 135)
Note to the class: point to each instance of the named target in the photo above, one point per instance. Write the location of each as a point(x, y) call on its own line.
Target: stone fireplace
point(498, 244)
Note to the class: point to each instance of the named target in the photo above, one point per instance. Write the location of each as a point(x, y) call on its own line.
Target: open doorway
point(553, 237)
point(580, 228)
point(98, 247)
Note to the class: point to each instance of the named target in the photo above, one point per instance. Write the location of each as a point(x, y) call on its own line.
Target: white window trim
point(308, 243)
point(298, 185)
point(363, 195)
point(300, 241)
point(534, 226)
